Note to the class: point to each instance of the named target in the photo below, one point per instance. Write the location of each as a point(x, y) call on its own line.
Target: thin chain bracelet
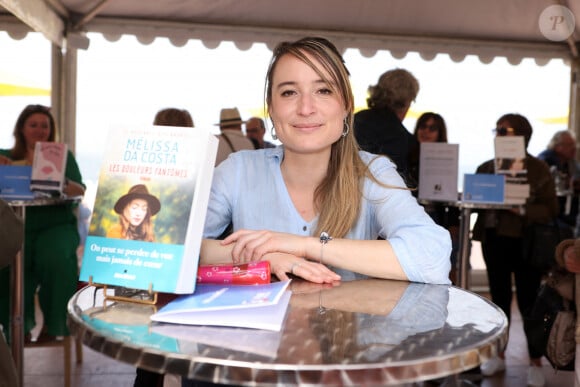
point(324, 239)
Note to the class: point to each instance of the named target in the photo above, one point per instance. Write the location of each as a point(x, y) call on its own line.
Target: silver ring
point(293, 266)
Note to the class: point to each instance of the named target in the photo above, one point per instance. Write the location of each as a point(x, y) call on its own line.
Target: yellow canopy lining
point(7, 89)
point(562, 120)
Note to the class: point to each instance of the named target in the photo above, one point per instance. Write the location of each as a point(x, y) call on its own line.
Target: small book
point(438, 171)
point(48, 167)
point(245, 306)
point(483, 188)
point(15, 182)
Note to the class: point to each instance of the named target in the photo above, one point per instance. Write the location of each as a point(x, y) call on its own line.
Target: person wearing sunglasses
point(501, 235)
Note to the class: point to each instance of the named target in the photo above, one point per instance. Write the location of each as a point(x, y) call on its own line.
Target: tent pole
point(63, 97)
point(574, 116)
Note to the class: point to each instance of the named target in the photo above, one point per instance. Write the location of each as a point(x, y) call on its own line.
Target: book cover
point(245, 306)
point(438, 171)
point(15, 182)
point(48, 167)
point(483, 188)
point(146, 228)
point(510, 161)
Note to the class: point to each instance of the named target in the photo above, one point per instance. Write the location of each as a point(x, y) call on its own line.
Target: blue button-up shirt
point(249, 191)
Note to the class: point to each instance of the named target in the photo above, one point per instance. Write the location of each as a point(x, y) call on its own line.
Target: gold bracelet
point(324, 239)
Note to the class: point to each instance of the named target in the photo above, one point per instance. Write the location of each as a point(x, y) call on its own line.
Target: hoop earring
point(345, 129)
point(273, 132)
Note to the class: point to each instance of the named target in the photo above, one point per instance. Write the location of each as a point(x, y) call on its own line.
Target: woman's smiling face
point(307, 113)
point(36, 128)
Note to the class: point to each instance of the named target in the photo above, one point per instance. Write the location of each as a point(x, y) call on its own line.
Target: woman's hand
point(5, 160)
point(281, 264)
point(252, 245)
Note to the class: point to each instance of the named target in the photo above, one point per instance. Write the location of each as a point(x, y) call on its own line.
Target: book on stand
point(246, 306)
point(483, 188)
point(510, 161)
point(48, 167)
point(438, 171)
point(146, 228)
point(15, 182)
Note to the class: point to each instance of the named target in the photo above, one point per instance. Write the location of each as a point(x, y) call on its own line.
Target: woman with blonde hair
point(321, 203)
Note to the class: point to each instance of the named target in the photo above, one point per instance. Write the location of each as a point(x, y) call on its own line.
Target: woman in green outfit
point(51, 234)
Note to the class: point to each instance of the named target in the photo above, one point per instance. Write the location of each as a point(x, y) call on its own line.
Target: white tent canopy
point(491, 28)
point(515, 29)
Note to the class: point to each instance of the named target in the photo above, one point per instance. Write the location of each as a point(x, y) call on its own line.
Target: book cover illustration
point(147, 222)
point(438, 171)
point(247, 306)
point(48, 167)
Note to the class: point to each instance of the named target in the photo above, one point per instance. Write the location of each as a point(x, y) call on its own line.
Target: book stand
point(138, 296)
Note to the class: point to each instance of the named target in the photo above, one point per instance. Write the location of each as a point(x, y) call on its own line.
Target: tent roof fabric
point(457, 27)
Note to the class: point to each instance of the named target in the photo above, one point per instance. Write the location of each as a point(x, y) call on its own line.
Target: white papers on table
point(247, 306)
point(257, 341)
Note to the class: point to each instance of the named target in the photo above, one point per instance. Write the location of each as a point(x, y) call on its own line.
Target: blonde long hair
point(337, 199)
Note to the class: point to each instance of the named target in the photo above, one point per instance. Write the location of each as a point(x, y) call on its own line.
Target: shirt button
point(304, 228)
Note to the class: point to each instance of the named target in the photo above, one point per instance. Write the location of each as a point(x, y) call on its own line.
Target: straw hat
point(230, 116)
point(138, 191)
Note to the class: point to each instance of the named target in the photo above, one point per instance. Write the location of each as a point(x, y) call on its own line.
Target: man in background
point(560, 155)
point(232, 138)
point(255, 131)
point(379, 129)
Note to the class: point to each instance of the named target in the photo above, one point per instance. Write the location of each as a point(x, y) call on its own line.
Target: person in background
point(501, 236)
point(255, 130)
point(379, 129)
point(430, 127)
point(560, 155)
point(11, 234)
point(232, 138)
point(322, 201)
point(51, 234)
point(173, 117)
point(568, 255)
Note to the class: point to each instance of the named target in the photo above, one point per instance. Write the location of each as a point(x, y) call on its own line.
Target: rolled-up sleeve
point(422, 247)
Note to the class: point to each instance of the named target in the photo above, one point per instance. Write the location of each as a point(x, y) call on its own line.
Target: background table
point(367, 331)
point(17, 278)
point(464, 245)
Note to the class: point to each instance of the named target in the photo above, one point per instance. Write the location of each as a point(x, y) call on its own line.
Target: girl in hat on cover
point(135, 210)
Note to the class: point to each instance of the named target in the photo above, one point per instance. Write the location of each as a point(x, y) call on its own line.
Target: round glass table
point(372, 332)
